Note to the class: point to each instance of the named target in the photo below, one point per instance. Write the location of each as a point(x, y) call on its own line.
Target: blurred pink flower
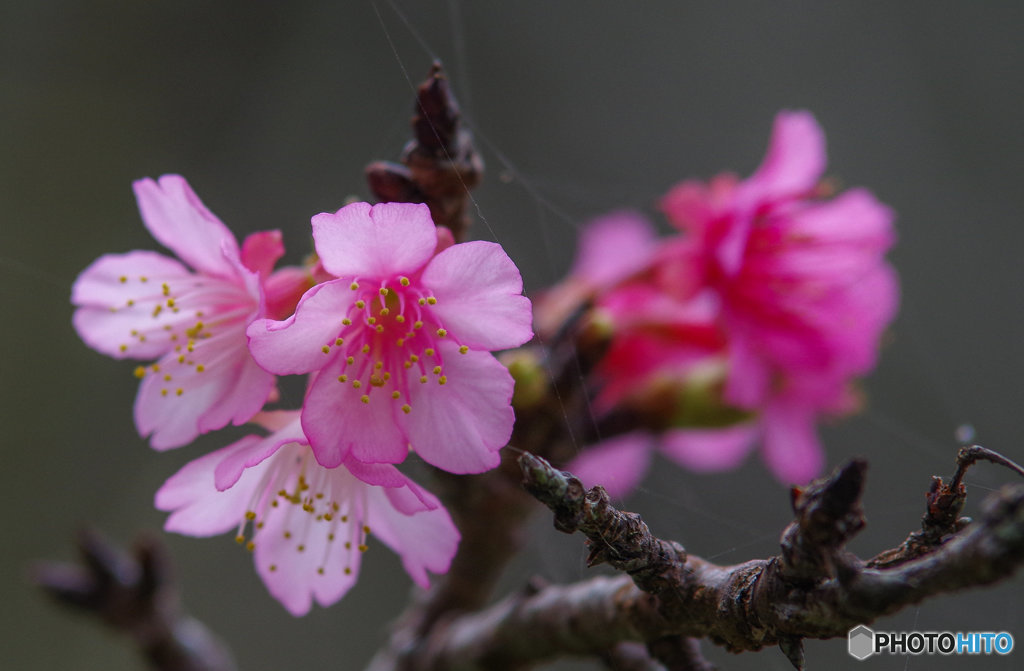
point(308, 524)
point(401, 341)
point(144, 305)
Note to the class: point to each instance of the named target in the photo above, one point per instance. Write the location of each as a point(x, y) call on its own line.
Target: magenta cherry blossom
point(401, 342)
point(308, 526)
point(190, 318)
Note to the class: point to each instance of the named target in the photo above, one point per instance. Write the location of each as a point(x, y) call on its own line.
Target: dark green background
point(271, 110)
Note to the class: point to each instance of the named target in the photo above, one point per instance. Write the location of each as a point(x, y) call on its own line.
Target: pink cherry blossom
point(401, 342)
point(308, 525)
point(144, 305)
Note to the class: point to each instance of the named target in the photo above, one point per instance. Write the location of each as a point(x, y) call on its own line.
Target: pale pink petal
point(178, 220)
point(284, 289)
point(196, 507)
point(790, 445)
point(709, 450)
point(296, 344)
point(116, 296)
point(794, 162)
point(749, 378)
point(381, 475)
point(233, 464)
point(425, 540)
point(460, 426)
point(339, 424)
point(360, 241)
point(479, 296)
point(614, 247)
point(617, 464)
point(261, 250)
point(303, 566)
point(248, 388)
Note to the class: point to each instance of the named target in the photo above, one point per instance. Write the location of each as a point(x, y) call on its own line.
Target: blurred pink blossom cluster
point(395, 326)
point(753, 322)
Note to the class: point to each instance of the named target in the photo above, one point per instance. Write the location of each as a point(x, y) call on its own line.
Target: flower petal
point(261, 250)
point(338, 424)
point(197, 508)
point(178, 220)
point(296, 344)
point(460, 426)
point(233, 465)
point(479, 296)
point(360, 241)
point(614, 247)
point(794, 162)
point(617, 464)
point(790, 441)
point(709, 450)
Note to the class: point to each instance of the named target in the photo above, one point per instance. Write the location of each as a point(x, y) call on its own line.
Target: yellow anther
point(423, 379)
point(325, 349)
point(259, 525)
point(250, 546)
point(357, 384)
point(163, 392)
point(191, 347)
point(346, 322)
point(167, 378)
point(319, 495)
point(157, 310)
point(348, 571)
point(320, 570)
point(406, 409)
point(301, 548)
point(417, 324)
point(344, 518)
point(343, 378)
point(396, 394)
point(140, 372)
point(414, 358)
point(339, 341)
point(441, 333)
point(170, 302)
point(166, 289)
point(122, 279)
point(350, 360)
point(348, 545)
point(272, 567)
point(407, 364)
point(239, 539)
point(384, 291)
point(133, 333)
point(123, 348)
point(378, 365)
point(366, 349)
point(155, 368)
point(142, 338)
point(437, 370)
point(384, 312)
point(273, 504)
point(364, 398)
point(363, 548)
point(360, 304)
point(442, 380)
point(328, 516)
point(330, 537)
point(429, 351)
point(353, 286)
point(366, 529)
point(371, 321)
point(376, 381)
point(250, 515)
point(400, 342)
point(422, 301)
point(113, 309)
point(130, 302)
point(181, 358)
point(431, 300)
point(143, 278)
point(200, 368)
point(287, 534)
point(387, 376)
point(179, 391)
point(400, 319)
point(404, 281)
point(380, 328)
point(463, 349)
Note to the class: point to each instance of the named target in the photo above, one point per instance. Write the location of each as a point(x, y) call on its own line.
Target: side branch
point(774, 601)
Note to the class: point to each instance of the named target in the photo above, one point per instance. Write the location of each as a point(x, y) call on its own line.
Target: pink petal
point(110, 309)
point(339, 424)
point(460, 426)
point(197, 508)
point(426, 540)
point(248, 388)
point(854, 219)
point(790, 441)
point(378, 242)
point(794, 162)
point(178, 220)
point(381, 475)
point(479, 296)
point(296, 344)
point(749, 374)
point(234, 464)
point(614, 247)
point(296, 579)
point(261, 250)
point(709, 450)
point(617, 464)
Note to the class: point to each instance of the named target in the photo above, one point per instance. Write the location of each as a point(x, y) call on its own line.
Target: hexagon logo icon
point(861, 642)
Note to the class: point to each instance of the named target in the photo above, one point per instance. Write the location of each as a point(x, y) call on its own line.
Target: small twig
point(135, 595)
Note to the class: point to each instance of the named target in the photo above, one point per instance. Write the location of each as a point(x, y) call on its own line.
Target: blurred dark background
point(271, 110)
